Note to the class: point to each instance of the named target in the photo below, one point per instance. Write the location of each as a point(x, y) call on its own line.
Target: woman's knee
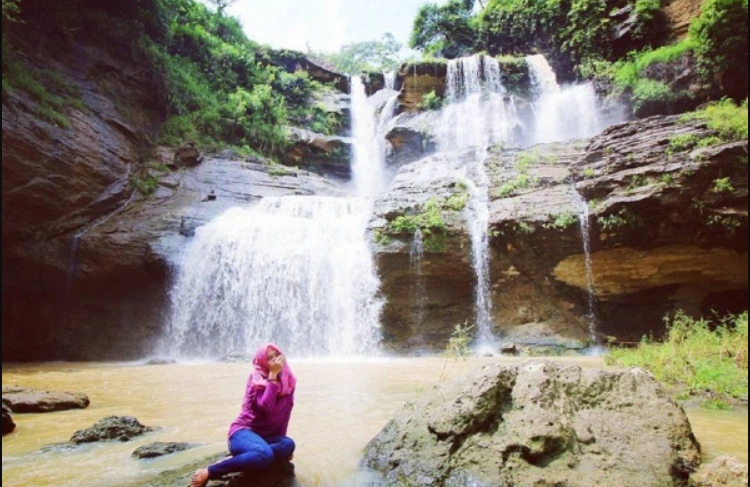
point(288, 446)
point(265, 457)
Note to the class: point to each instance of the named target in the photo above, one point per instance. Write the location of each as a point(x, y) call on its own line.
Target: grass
point(698, 356)
point(726, 117)
point(629, 73)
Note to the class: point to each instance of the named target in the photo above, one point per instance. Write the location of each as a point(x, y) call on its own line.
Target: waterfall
point(477, 215)
point(416, 258)
point(294, 270)
point(390, 80)
point(585, 219)
point(368, 171)
point(478, 111)
point(562, 113)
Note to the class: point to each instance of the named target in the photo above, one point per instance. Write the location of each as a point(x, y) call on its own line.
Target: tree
point(356, 58)
point(222, 5)
point(445, 30)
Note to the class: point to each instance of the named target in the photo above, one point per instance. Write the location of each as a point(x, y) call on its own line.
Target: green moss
point(697, 355)
point(649, 92)
point(723, 185)
point(431, 101)
point(628, 74)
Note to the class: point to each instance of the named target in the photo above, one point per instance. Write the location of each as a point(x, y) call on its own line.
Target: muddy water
point(340, 407)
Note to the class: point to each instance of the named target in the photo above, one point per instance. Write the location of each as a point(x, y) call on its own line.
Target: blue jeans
point(251, 453)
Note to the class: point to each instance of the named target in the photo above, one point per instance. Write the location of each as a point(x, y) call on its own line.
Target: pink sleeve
point(266, 399)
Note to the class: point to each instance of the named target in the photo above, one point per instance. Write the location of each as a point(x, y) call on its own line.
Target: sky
point(325, 25)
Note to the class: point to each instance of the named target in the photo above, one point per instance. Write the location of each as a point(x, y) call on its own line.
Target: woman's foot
point(200, 479)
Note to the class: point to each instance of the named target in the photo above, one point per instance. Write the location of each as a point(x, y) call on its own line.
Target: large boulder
point(722, 472)
point(8, 425)
point(23, 401)
point(113, 428)
point(539, 424)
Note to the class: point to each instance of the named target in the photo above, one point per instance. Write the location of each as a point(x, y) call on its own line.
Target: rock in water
point(22, 401)
point(722, 472)
point(8, 425)
point(113, 428)
point(540, 424)
point(156, 450)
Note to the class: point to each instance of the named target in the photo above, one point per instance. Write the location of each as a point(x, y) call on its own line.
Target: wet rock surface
point(722, 472)
point(113, 428)
point(157, 450)
point(22, 401)
point(278, 476)
point(8, 425)
point(540, 424)
point(321, 154)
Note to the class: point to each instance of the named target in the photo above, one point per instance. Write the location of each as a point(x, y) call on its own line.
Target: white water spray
point(562, 113)
point(293, 270)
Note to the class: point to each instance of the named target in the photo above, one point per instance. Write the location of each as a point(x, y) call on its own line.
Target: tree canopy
point(359, 57)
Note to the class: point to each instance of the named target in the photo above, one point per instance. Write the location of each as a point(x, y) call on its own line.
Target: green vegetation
point(725, 117)
point(445, 30)
point(589, 173)
point(563, 221)
point(214, 85)
point(721, 35)
point(638, 181)
point(624, 219)
point(431, 101)
point(667, 180)
point(523, 180)
point(647, 92)
point(361, 57)
point(730, 224)
point(698, 356)
point(628, 73)
point(458, 345)
point(10, 11)
point(723, 185)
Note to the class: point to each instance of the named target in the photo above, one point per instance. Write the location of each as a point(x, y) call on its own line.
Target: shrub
point(726, 117)
point(431, 101)
point(696, 354)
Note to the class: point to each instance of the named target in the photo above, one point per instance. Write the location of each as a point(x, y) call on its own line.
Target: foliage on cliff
point(698, 355)
point(213, 84)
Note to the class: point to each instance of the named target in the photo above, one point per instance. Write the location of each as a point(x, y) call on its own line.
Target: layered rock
point(23, 401)
point(321, 154)
point(540, 424)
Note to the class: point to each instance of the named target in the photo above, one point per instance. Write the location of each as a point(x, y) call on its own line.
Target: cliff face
point(664, 236)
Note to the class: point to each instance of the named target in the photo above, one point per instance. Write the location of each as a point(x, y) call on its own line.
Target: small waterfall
point(419, 290)
point(562, 113)
point(478, 113)
point(368, 172)
point(295, 270)
point(390, 80)
point(585, 219)
point(477, 216)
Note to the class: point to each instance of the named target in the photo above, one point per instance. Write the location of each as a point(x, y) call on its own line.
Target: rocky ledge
point(540, 424)
point(22, 401)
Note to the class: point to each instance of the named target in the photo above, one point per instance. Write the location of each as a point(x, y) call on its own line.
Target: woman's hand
point(276, 366)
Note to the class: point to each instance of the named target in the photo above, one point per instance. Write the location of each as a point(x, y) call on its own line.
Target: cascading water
point(478, 113)
point(418, 290)
point(368, 172)
point(562, 113)
point(478, 219)
point(390, 80)
point(295, 270)
point(585, 220)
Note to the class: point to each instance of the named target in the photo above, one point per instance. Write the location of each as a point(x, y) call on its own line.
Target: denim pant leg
point(282, 447)
point(250, 453)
